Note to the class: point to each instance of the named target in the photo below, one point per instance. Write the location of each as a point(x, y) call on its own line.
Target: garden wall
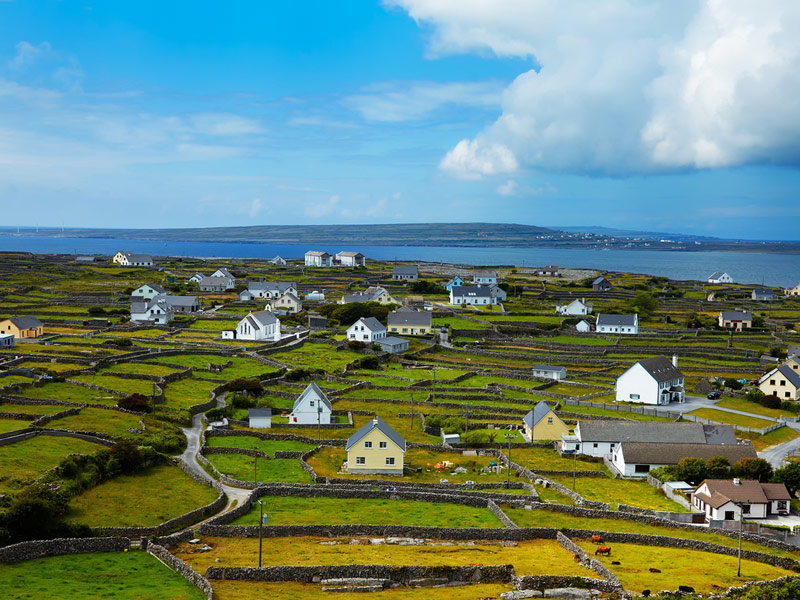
point(40, 548)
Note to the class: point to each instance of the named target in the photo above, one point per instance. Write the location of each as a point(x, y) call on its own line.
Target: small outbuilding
point(259, 418)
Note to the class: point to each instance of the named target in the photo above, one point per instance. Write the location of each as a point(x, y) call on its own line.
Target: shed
point(259, 418)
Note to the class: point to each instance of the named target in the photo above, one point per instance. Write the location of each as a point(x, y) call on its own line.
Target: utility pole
point(412, 411)
point(433, 396)
point(739, 559)
point(255, 469)
point(574, 468)
point(319, 417)
point(262, 520)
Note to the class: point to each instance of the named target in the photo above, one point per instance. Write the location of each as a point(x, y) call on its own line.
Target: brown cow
point(577, 557)
point(601, 550)
point(596, 539)
point(654, 570)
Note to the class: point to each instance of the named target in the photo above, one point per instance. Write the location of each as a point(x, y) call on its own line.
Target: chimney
point(737, 481)
point(675, 360)
point(375, 421)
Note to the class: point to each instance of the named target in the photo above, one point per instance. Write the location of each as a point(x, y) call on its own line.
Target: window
point(634, 396)
point(772, 382)
point(389, 461)
point(382, 444)
point(729, 515)
point(746, 509)
point(642, 469)
point(360, 460)
point(549, 420)
point(594, 445)
point(311, 403)
point(783, 382)
point(787, 394)
point(367, 444)
point(781, 504)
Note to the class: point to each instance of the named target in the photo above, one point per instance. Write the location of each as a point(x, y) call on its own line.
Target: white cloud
point(255, 207)
point(631, 86)
point(509, 188)
point(396, 102)
point(473, 159)
point(224, 124)
point(376, 209)
point(28, 53)
point(322, 209)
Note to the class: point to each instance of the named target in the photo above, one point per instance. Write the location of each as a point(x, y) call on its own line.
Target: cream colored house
point(542, 424)
point(22, 327)
point(407, 321)
point(288, 302)
point(795, 291)
point(375, 449)
point(783, 382)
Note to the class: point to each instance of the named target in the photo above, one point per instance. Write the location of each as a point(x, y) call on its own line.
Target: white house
point(157, 309)
point(348, 258)
point(637, 459)
point(600, 438)
point(625, 324)
point(256, 326)
point(720, 277)
point(129, 259)
point(583, 326)
point(268, 289)
point(550, 372)
point(471, 294)
point(576, 307)
point(371, 294)
point(183, 304)
point(279, 261)
point(484, 278)
point(653, 380)
point(148, 291)
point(405, 273)
point(196, 277)
point(259, 418)
point(366, 329)
point(312, 407)
point(498, 293)
point(6, 342)
point(721, 499)
point(318, 258)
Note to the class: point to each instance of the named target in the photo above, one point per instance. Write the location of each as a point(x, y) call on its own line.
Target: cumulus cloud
point(509, 188)
point(474, 159)
point(395, 102)
point(630, 86)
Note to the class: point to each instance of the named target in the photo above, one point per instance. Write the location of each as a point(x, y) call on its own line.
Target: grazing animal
point(646, 593)
point(596, 539)
point(601, 550)
point(686, 588)
point(615, 562)
point(577, 557)
point(654, 570)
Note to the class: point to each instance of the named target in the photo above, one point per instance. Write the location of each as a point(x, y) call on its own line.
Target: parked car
point(714, 396)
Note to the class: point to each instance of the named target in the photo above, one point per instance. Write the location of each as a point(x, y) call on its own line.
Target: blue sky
point(625, 113)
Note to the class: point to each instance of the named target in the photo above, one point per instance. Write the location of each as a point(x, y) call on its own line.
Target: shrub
point(242, 401)
point(120, 342)
point(732, 383)
point(136, 402)
point(355, 345)
point(247, 386)
point(299, 374)
point(369, 362)
point(96, 311)
point(752, 468)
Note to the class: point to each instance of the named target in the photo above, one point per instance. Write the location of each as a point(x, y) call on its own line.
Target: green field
point(99, 576)
point(619, 491)
point(721, 416)
point(338, 511)
point(149, 498)
point(97, 420)
point(239, 466)
point(254, 443)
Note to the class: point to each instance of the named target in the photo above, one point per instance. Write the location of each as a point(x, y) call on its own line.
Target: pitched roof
point(486, 274)
point(640, 431)
point(224, 273)
point(254, 413)
point(786, 371)
point(670, 453)
point(214, 282)
point(138, 257)
point(317, 253)
point(313, 388)
point(262, 318)
point(551, 368)
point(154, 286)
point(719, 434)
point(349, 253)
point(280, 286)
point(722, 491)
point(537, 414)
point(26, 322)
point(618, 320)
point(473, 291)
point(661, 368)
point(600, 280)
point(371, 323)
point(182, 300)
point(380, 424)
point(776, 491)
point(412, 270)
point(717, 274)
point(736, 315)
point(410, 317)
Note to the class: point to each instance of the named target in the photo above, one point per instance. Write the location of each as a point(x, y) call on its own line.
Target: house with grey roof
point(655, 380)
point(782, 382)
point(484, 277)
point(148, 291)
point(543, 424)
point(267, 289)
point(312, 407)
point(318, 258)
point(600, 438)
point(720, 277)
point(375, 449)
point(550, 372)
point(260, 326)
point(129, 259)
point(476, 295)
point(279, 261)
point(22, 327)
point(371, 294)
point(367, 330)
point(393, 344)
point(349, 258)
point(402, 273)
point(259, 418)
point(637, 459)
point(407, 321)
point(601, 284)
point(735, 319)
point(183, 304)
point(621, 324)
point(157, 310)
point(763, 295)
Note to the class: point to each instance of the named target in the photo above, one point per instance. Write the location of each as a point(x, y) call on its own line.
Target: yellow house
point(542, 424)
point(407, 321)
point(22, 327)
point(795, 291)
point(288, 302)
point(375, 449)
point(119, 257)
point(783, 382)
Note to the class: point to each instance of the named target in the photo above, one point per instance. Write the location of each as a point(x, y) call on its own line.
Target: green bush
point(136, 403)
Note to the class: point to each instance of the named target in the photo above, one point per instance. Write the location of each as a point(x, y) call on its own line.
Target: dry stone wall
point(180, 567)
point(41, 548)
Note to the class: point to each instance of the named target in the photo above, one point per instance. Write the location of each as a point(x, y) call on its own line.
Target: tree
point(752, 468)
point(642, 303)
point(788, 475)
point(136, 402)
point(248, 386)
point(732, 383)
point(718, 467)
point(691, 469)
